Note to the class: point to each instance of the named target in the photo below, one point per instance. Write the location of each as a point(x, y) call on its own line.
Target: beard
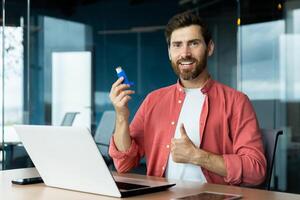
point(190, 74)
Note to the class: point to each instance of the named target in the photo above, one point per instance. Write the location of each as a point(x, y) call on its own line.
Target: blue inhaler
point(121, 73)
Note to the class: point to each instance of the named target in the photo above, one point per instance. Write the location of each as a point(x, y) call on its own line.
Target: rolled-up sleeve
point(124, 161)
point(247, 164)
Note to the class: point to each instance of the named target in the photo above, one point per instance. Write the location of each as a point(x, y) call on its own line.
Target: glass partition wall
point(268, 68)
point(14, 75)
point(58, 57)
point(46, 69)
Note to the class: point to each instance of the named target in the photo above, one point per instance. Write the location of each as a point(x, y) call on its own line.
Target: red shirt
point(228, 127)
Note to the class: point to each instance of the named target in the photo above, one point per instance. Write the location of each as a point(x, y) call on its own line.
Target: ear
point(210, 48)
point(169, 53)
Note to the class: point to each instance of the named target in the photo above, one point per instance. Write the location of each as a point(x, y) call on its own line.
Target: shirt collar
point(179, 86)
point(204, 89)
point(207, 86)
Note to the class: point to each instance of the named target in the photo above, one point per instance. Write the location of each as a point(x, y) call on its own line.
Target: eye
point(194, 43)
point(176, 45)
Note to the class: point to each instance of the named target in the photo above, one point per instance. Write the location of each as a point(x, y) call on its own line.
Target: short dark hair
point(185, 19)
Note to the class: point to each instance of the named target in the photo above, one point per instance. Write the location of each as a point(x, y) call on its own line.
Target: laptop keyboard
point(129, 186)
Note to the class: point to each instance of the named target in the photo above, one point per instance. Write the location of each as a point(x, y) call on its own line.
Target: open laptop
point(67, 157)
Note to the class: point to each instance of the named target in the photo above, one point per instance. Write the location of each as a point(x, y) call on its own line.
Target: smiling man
point(197, 129)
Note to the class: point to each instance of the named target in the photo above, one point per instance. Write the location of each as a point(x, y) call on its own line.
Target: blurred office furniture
point(104, 132)
point(69, 118)
point(16, 157)
point(13, 151)
point(270, 139)
point(271, 113)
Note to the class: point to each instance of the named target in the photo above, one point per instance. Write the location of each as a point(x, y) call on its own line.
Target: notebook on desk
point(68, 158)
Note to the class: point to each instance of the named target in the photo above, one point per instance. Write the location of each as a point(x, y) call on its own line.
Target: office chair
point(104, 132)
point(69, 118)
point(270, 140)
point(102, 138)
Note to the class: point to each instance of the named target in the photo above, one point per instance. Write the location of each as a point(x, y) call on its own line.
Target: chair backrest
point(69, 118)
point(270, 139)
point(104, 131)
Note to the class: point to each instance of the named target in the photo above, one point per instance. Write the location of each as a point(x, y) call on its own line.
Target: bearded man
point(197, 129)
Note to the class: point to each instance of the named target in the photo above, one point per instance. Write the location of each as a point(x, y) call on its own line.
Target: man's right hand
point(119, 96)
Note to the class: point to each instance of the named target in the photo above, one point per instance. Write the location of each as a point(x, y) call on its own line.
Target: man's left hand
point(182, 148)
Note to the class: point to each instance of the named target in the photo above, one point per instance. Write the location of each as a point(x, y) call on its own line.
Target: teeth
point(186, 63)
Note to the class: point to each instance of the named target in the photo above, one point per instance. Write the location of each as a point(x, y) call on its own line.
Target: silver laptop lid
point(67, 157)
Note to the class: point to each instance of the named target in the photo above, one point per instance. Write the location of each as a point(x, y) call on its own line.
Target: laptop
point(68, 158)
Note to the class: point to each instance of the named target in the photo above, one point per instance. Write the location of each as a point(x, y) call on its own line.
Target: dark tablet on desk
point(211, 196)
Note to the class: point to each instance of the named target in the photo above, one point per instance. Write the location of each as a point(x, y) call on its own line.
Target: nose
point(186, 51)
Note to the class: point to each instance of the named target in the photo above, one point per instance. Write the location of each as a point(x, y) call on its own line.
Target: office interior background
point(59, 56)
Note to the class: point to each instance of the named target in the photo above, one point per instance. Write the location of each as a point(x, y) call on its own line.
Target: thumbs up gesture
point(182, 148)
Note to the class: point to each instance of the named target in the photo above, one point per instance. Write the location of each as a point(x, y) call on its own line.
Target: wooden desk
point(8, 191)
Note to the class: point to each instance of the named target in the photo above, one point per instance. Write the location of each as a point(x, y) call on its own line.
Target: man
point(197, 129)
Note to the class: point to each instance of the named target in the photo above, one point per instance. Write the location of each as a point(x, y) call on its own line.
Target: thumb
point(183, 131)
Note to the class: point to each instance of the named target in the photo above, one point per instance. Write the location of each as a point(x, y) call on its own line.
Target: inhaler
point(121, 73)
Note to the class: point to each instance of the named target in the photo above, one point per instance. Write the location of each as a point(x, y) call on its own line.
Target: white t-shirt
point(190, 117)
